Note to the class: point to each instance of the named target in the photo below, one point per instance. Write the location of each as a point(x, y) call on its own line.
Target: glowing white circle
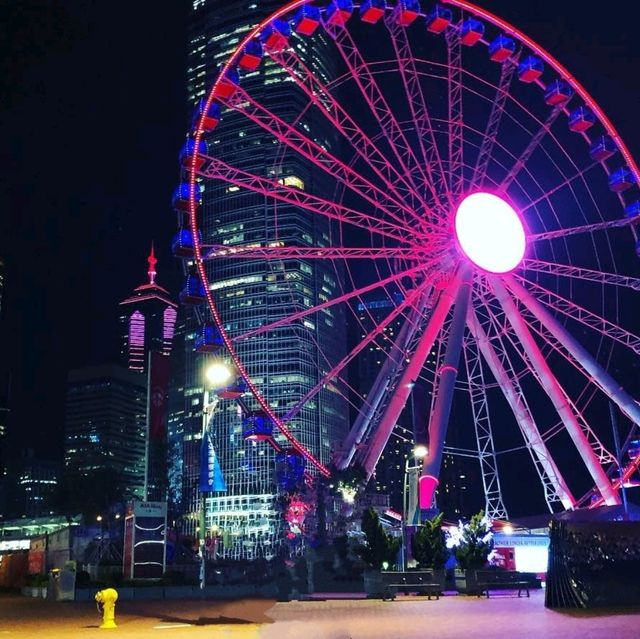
point(490, 232)
point(218, 374)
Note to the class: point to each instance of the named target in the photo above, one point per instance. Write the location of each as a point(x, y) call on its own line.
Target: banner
point(211, 478)
point(413, 507)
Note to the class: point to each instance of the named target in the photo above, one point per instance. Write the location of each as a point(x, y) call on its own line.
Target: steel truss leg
point(556, 393)
point(555, 486)
point(448, 374)
point(494, 504)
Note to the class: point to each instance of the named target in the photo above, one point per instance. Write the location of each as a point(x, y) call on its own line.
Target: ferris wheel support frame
point(448, 374)
point(550, 474)
point(555, 393)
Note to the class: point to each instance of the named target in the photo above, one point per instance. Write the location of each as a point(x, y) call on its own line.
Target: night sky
point(92, 115)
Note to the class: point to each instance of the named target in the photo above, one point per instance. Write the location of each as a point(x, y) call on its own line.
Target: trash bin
point(62, 584)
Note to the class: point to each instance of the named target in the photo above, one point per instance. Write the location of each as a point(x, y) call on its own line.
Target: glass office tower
point(286, 362)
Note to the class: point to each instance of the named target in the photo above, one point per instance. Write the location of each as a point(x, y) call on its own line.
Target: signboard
point(144, 555)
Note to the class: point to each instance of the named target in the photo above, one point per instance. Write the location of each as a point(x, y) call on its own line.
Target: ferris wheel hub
point(490, 232)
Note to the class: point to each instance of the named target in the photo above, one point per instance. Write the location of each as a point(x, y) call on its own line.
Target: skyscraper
point(149, 318)
point(105, 427)
point(285, 363)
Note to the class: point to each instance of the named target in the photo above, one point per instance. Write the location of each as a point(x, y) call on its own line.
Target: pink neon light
point(136, 341)
point(168, 328)
point(490, 232)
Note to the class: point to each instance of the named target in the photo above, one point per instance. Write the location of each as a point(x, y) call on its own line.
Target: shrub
point(379, 547)
point(428, 544)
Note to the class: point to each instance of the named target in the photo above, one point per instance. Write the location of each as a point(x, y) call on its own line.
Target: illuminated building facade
point(285, 363)
point(105, 426)
point(34, 485)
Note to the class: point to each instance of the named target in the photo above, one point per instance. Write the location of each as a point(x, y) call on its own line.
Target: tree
point(428, 544)
point(380, 547)
point(473, 542)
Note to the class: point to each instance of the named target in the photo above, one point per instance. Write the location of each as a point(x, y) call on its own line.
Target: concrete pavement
point(452, 617)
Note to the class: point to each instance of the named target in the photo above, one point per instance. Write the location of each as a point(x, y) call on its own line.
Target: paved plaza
point(406, 618)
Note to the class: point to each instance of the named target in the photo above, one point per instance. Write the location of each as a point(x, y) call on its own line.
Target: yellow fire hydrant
point(107, 599)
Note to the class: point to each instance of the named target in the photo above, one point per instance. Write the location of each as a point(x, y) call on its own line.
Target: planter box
point(373, 584)
point(466, 582)
point(35, 592)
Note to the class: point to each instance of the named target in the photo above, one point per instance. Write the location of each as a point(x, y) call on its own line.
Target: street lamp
point(419, 452)
point(218, 375)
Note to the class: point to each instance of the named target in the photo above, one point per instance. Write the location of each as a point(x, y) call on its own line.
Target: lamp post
point(419, 452)
point(217, 375)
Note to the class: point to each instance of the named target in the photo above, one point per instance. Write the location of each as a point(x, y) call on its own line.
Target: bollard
point(107, 599)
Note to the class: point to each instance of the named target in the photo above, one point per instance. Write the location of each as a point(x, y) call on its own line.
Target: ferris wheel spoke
point(336, 114)
point(574, 311)
point(534, 143)
point(454, 87)
point(420, 115)
point(586, 229)
point(379, 107)
point(378, 331)
point(278, 253)
point(575, 272)
point(294, 139)
point(580, 175)
point(217, 169)
point(575, 425)
point(555, 487)
point(493, 124)
point(599, 375)
point(354, 294)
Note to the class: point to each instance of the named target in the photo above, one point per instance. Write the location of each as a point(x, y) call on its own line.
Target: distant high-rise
point(34, 485)
point(5, 386)
point(284, 364)
point(105, 426)
point(148, 318)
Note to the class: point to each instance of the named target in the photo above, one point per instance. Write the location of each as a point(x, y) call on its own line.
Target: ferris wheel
point(474, 186)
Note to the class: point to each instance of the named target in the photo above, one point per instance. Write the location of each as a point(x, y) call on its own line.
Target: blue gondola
point(187, 152)
point(621, 180)
point(275, 36)
point(530, 69)
point(406, 12)
point(290, 466)
point(338, 12)
point(581, 119)
point(638, 248)
point(372, 10)
point(439, 19)
point(257, 427)
point(502, 48)
point(634, 449)
point(251, 56)
point(632, 210)
point(180, 199)
point(193, 292)
point(182, 244)
point(227, 84)
point(235, 390)
point(212, 117)
point(306, 20)
point(558, 92)
point(471, 32)
point(602, 148)
point(209, 339)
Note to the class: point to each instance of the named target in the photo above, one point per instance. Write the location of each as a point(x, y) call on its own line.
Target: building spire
point(152, 265)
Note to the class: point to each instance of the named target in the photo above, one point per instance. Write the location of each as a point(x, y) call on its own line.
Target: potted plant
point(379, 550)
point(472, 543)
point(429, 548)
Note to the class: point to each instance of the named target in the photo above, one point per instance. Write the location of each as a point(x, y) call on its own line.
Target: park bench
point(418, 581)
point(488, 580)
